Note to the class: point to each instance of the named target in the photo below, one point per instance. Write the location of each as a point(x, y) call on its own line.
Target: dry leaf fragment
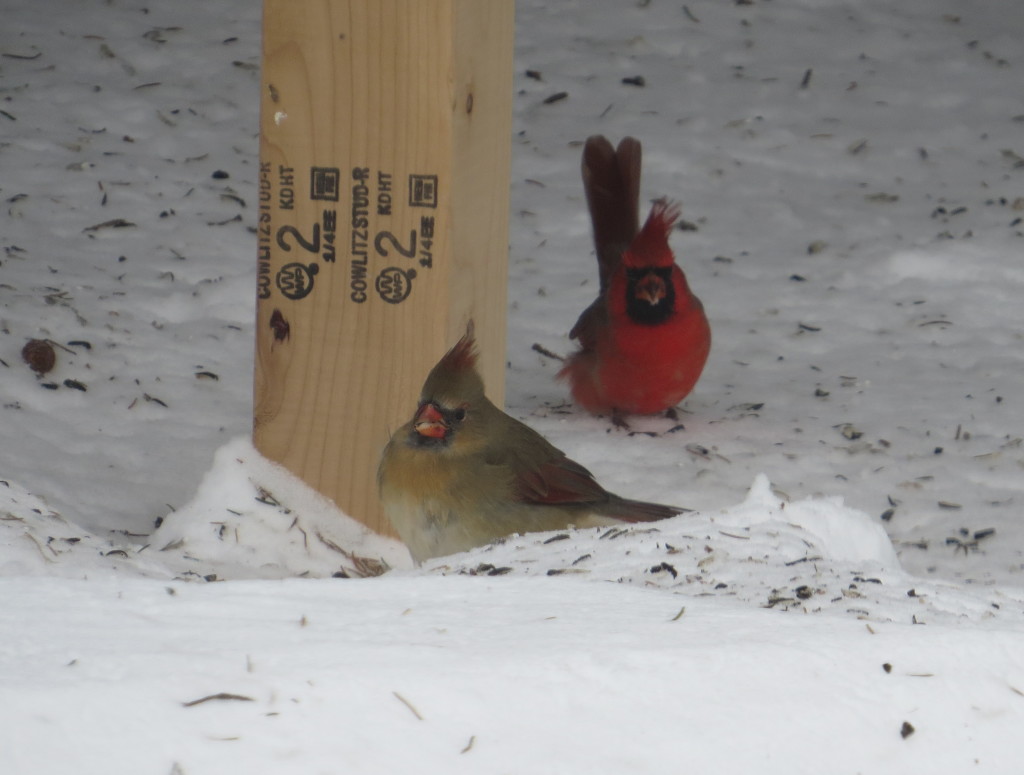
point(115, 223)
point(39, 355)
point(408, 704)
point(217, 696)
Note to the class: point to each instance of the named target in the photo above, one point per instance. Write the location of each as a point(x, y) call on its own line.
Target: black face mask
point(642, 311)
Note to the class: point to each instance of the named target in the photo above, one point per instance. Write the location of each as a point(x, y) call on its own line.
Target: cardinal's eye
point(459, 414)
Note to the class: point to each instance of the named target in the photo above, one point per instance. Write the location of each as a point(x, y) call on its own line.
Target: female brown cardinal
point(462, 473)
point(645, 339)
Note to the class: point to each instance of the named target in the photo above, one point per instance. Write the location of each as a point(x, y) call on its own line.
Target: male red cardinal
point(462, 473)
point(645, 339)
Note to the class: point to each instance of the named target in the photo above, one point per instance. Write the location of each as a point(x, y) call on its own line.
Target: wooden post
point(383, 222)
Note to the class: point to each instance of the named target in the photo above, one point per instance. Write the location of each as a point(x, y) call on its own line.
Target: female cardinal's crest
point(650, 246)
point(455, 378)
point(462, 357)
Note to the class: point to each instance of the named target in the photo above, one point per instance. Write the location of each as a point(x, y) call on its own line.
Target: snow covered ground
point(848, 596)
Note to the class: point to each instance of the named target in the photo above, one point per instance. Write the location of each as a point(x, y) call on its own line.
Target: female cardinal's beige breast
point(412, 485)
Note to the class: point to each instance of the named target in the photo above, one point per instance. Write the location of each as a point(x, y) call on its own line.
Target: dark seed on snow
point(559, 537)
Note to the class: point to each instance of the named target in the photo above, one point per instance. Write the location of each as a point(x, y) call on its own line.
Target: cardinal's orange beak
point(430, 422)
point(651, 289)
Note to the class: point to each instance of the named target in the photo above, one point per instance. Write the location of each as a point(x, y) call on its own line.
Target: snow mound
point(248, 519)
point(836, 532)
point(37, 541)
point(251, 518)
point(811, 556)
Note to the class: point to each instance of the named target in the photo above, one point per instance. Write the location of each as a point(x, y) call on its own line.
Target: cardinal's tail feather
point(611, 181)
point(641, 511)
